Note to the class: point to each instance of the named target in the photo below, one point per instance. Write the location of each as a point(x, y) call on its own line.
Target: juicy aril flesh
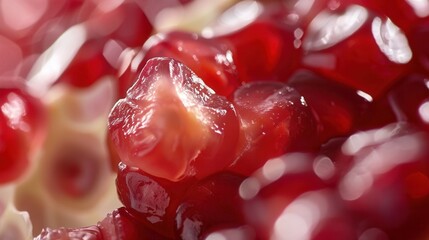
point(171, 125)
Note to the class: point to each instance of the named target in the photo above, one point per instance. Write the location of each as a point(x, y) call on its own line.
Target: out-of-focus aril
point(123, 21)
point(22, 124)
point(273, 55)
point(357, 48)
point(212, 60)
point(239, 233)
point(171, 125)
point(418, 38)
point(338, 108)
point(191, 16)
point(404, 13)
point(88, 65)
point(274, 119)
point(387, 182)
point(411, 107)
point(13, 53)
point(315, 215)
point(264, 48)
point(273, 189)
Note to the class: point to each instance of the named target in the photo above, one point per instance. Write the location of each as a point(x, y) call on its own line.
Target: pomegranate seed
point(337, 108)
point(153, 201)
point(203, 207)
point(87, 66)
point(171, 125)
point(274, 187)
point(118, 225)
point(411, 107)
point(418, 37)
point(334, 47)
point(22, 124)
point(210, 59)
point(387, 182)
point(274, 119)
point(264, 50)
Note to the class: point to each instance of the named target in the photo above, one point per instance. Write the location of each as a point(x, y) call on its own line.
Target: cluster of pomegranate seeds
point(297, 119)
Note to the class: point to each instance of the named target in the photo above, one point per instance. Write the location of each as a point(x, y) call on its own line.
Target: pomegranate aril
point(418, 37)
point(337, 108)
point(357, 48)
point(264, 49)
point(213, 203)
point(88, 65)
point(22, 129)
point(92, 232)
point(296, 12)
point(171, 125)
point(274, 119)
point(411, 107)
point(121, 225)
point(332, 221)
point(118, 225)
point(405, 14)
point(129, 65)
point(211, 60)
point(238, 233)
point(126, 23)
point(11, 51)
point(387, 183)
point(275, 186)
point(153, 201)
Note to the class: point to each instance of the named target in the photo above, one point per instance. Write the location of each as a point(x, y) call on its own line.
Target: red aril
point(121, 225)
point(411, 107)
point(405, 14)
point(171, 125)
point(274, 119)
point(21, 130)
point(357, 48)
point(274, 187)
point(378, 114)
point(387, 184)
point(264, 49)
point(153, 201)
point(212, 203)
point(212, 60)
point(88, 65)
point(91, 232)
point(337, 108)
point(126, 23)
point(315, 215)
point(11, 51)
point(299, 12)
point(129, 67)
point(118, 225)
point(418, 37)
point(238, 233)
